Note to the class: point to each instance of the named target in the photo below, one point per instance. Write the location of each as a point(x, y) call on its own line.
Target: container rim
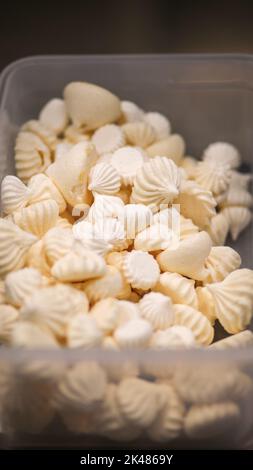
point(15, 355)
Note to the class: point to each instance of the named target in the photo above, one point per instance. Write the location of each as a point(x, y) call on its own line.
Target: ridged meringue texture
point(106, 313)
point(37, 218)
point(70, 172)
point(157, 182)
point(196, 203)
point(54, 116)
point(91, 106)
point(14, 246)
point(206, 303)
point(57, 242)
point(155, 238)
point(53, 307)
point(42, 189)
point(32, 155)
point(178, 288)
point(218, 229)
point(108, 139)
point(134, 334)
point(44, 133)
point(136, 218)
point(238, 218)
point(77, 267)
point(238, 340)
point(187, 257)
point(172, 147)
point(20, 285)
point(105, 206)
point(196, 321)
point(140, 269)
point(222, 152)
point(157, 309)
point(221, 261)
point(14, 194)
point(213, 176)
point(131, 112)
point(159, 123)
point(8, 318)
point(174, 337)
point(104, 179)
point(139, 134)
point(83, 332)
point(108, 285)
point(127, 161)
point(139, 401)
point(233, 300)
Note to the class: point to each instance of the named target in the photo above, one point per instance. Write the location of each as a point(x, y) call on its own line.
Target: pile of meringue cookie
point(88, 257)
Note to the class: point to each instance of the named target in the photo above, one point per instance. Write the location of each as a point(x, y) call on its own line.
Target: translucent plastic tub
point(207, 98)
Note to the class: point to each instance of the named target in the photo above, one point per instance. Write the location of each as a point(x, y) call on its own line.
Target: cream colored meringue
point(62, 149)
point(206, 304)
point(187, 257)
point(157, 309)
point(213, 176)
point(37, 218)
point(70, 172)
point(112, 231)
point(136, 218)
point(20, 285)
point(14, 194)
point(42, 189)
point(36, 259)
point(140, 269)
point(175, 337)
point(160, 124)
point(218, 229)
point(91, 106)
point(54, 115)
point(32, 156)
point(105, 206)
point(127, 161)
point(75, 135)
point(127, 311)
point(14, 247)
point(233, 300)
point(133, 334)
point(57, 242)
point(208, 420)
point(172, 147)
point(104, 179)
point(131, 112)
point(82, 332)
point(221, 261)
point(178, 288)
point(140, 134)
point(29, 335)
point(8, 318)
point(237, 197)
point(108, 417)
point(139, 401)
point(106, 313)
point(157, 182)
point(54, 306)
point(43, 132)
point(196, 203)
point(196, 321)
point(222, 152)
point(238, 218)
point(187, 228)
point(108, 139)
point(108, 285)
point(189, 164)
point(240, 180)
point(155, 238)
point(77, 267)
point(2, 292)
point(239, 340)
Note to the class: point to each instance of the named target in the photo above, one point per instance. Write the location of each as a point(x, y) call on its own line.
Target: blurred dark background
point(123, 26)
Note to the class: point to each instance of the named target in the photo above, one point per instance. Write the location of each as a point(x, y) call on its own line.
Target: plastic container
point(207, 98)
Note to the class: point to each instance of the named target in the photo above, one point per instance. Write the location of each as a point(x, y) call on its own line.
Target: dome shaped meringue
point(139, 401)
point(8, 318)
point(53, 307)
point(237, 197)
point(20, 285)
point(127, 161)
point(196, 203)
point(82, 388)
point(29, 335)
point(239, 340)
point(222, 152)
point(83, 332)
point(157, 182)
point(31, 155)
point(105, 313)
point(108, 139)
point(70, 172)
point(139, 134)
point(131, 112)
point(196, 321)
point(104, 179)
point(91, 106)
point(36, 259)
point(233, 300)
point(178, 288)
point(238, 218)
point(38, 218)
point(112, 231)
point(154, 238)
point(206, 304)
point(187, 228)
point(160, 124)
point(14, 246)
point(14, 194)
point(57, 242)
point(221, 261)
point(105, 206)
point(74, 135)
point(218, 229)
point(136, 218)
point(42, 188)
point(77, 267)
point(54, 116)
point(43, 132)
point(157, 309)
point(172, 147)
point(174, 337)
point(140, 269)
point(133, 334)
point(108, 285)
point(187, 257)
point(213, 176)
